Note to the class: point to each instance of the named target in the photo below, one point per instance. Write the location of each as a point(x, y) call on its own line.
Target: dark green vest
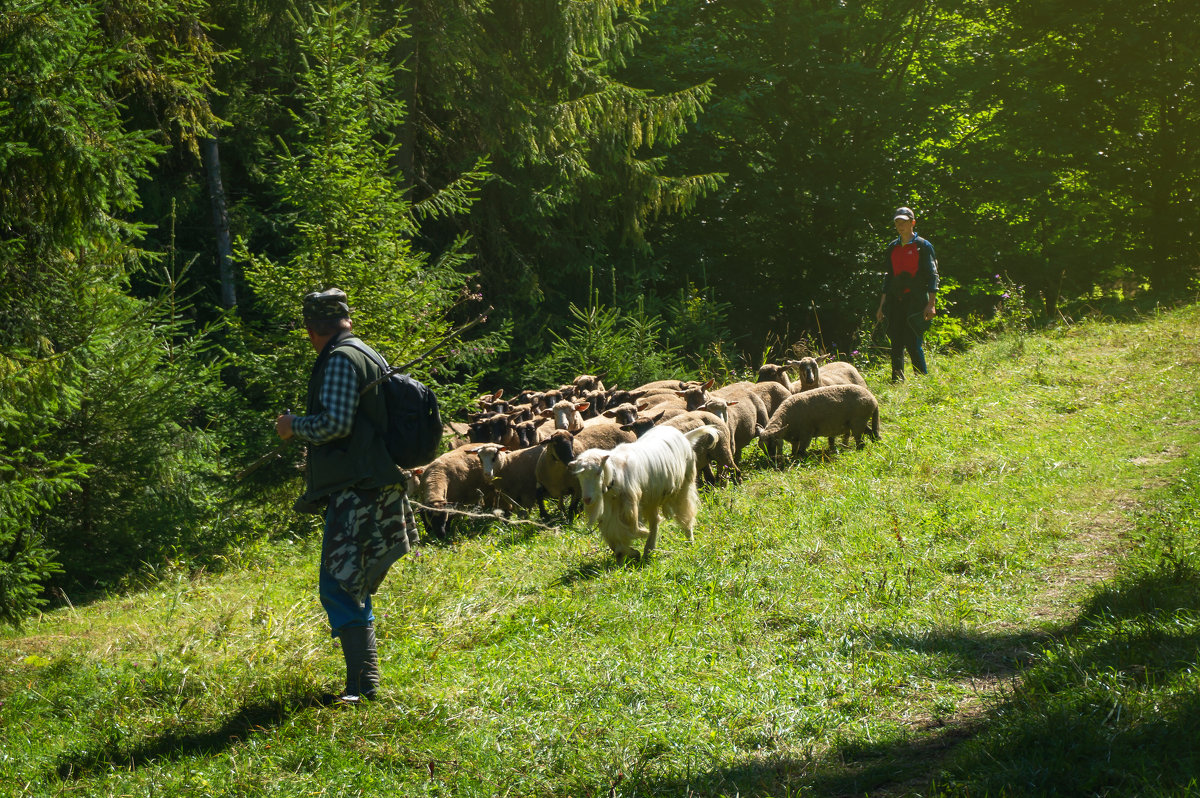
point(360, 460)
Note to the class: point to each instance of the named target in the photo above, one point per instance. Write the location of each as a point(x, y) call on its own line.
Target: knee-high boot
point(362, 663)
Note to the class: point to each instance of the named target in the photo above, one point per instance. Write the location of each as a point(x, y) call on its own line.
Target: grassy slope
point(999, 597)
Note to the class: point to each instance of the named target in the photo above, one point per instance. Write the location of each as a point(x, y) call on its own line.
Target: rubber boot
point(362, 663)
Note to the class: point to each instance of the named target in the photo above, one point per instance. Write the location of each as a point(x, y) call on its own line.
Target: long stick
point(457, 331)
point(450, 336)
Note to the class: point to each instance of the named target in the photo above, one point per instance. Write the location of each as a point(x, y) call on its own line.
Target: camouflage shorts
point(365, 532)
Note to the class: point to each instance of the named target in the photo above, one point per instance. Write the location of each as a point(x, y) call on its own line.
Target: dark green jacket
point(359, 460)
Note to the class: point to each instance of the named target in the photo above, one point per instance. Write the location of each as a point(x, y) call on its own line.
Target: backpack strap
point(375, 357)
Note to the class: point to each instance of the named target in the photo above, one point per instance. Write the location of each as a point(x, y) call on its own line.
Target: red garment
point(905, 260)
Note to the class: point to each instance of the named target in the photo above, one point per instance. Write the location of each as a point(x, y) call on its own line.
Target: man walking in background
point(350, 475)
point(910, 285)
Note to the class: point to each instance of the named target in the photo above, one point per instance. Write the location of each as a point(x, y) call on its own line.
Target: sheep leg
point(652, 537)
point(573, 507)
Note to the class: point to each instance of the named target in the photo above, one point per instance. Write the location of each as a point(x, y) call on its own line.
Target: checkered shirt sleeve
point(339, 396)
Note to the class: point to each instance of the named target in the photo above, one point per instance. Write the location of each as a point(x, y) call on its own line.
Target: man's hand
point(283, 426)
point(930, 311)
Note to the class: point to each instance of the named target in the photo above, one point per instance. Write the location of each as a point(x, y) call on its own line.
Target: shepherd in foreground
point(351, 478)
point(628, 486)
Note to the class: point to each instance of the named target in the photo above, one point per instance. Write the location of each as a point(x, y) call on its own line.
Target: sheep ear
point(583, 406)
point(474, 450)
point(681, 394)
point(504, 449)
point(416, 472)
point(709, 384)
point(547, 414)
point(499, 392)
point(731, 402)
point(824, 358)
point(642, 405)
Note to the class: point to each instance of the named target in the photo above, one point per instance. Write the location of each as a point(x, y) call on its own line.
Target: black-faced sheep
point(454, 478)
point(512, 474)
point(773, 372)
point(561, 449)
point(813, 375)
point(742, 410)
point(823, 412)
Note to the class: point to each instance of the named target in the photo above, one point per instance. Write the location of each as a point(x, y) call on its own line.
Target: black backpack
point(414, 425)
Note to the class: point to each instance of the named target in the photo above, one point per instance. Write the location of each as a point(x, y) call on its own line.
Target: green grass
point(1001, 597)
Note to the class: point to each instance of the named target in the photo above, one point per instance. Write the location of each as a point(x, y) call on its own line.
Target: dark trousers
point(901, 334)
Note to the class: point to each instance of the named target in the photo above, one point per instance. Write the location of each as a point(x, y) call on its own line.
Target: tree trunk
point(216, 194)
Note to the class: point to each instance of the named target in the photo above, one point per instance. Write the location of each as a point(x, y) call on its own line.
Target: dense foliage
point(645, 186)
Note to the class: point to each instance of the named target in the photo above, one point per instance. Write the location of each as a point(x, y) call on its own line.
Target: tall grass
point(1000, 597)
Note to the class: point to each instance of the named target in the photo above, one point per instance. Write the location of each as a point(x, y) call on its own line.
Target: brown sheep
point(721, 453)
point(455, 477)
point(823, 412)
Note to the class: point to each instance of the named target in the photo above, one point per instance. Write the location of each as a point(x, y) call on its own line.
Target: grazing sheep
point(772, 393)
point(561, 449)
point(455, 477)
point(823, 412)
point(719, 451)
point(640, 425)
point(670, 385)
point(663, 399)
point(839, 372)
point(813, 375)
point(617, 396)
point(631, 484)
point(663, 412)
point(595, 401)
point(512, 474)
point(567, 415)
point(742, 410)
point(490, 428)
point(519, 412)
point(618, 414)
point(588, 382)
point(772, 372)
point(525, 434)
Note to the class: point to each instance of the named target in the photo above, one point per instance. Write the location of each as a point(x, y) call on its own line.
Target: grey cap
point(904, 213)
point(331, 303)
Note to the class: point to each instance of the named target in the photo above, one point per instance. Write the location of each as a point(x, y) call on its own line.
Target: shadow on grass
point(1113, 708)
point(185, 740)
point(1096, 707)
point(591, 569)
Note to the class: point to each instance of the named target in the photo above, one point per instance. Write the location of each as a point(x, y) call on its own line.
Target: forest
point(646, 189)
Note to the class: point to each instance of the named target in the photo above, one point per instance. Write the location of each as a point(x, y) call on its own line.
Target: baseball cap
point(904, 213)
point(331, 303)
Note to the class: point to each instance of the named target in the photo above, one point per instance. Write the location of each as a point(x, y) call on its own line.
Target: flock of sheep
point(630, 455)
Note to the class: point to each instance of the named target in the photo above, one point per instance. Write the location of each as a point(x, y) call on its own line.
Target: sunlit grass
point(838, 626)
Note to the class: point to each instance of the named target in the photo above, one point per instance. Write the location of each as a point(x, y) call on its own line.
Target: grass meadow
point(1002, 597)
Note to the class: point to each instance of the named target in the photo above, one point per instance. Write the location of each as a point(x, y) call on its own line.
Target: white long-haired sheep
point(627, 487)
